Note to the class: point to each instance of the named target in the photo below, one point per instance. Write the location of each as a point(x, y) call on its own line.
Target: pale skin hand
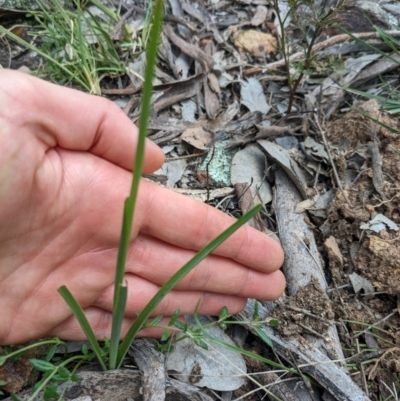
point(65, 162)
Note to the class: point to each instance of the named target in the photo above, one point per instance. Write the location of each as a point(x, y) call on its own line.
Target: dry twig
point(332, 163)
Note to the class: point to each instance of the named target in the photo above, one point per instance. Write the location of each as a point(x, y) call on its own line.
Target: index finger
point(75, 120)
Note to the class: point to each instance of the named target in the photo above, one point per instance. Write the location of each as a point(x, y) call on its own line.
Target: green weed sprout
point(118, 351)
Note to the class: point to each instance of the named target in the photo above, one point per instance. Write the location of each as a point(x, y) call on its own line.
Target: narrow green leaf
point(51, 352)
point(2, 383)
point(81, 318)
point(155, 321)
point(43, 54)
point(181, 326)
point(177, 277)
point(42, 366)
point(263, 337)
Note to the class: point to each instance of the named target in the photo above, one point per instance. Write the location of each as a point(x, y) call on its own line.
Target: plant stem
point(130, 203)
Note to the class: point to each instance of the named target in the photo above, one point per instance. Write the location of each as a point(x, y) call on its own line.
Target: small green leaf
point(2, 383)
point(255, 311)
point(36, 386)
point(202, 344)
point(51, 392)
point(181, 326)
point(3, 360)
point(223, 326)
point(75, 378)
point(165, 335)
point(64, 372)
point(263, 337)
point(224, 314)
point(155, 321)
point(85, 349)
point(272, 322)
point(58, 378)
point(42, 366)
point(174, 317)
point(51, 352)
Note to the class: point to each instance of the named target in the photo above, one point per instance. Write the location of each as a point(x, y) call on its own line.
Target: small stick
point(311, 331)
point(377, 176)
point(273, 130)
point(332, 163)
point(308, 313)
point(306, 382)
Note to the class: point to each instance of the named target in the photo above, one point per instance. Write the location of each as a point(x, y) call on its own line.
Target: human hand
point(65, 170)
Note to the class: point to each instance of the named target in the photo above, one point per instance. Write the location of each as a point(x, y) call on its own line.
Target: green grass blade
point(118, 317)
point(137, 168)
point(264, 337)
point(105, 10)
point(178, 276)
point(371, 46)
point(81, 318)
point(44, 55)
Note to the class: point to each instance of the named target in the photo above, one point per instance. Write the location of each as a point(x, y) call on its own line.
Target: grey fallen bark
point(280, 390)
point(302, 264)
point(309, 359)
point(115, 385)
point(118, 385)
point(156, 386)
point(152, 364)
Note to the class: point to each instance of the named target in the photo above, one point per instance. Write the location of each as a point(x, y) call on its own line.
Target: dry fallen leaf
point(252, 96)
point(197, 137)
point(360, 283)
point(255, 42)
point(248, 167)
point(260, 16)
